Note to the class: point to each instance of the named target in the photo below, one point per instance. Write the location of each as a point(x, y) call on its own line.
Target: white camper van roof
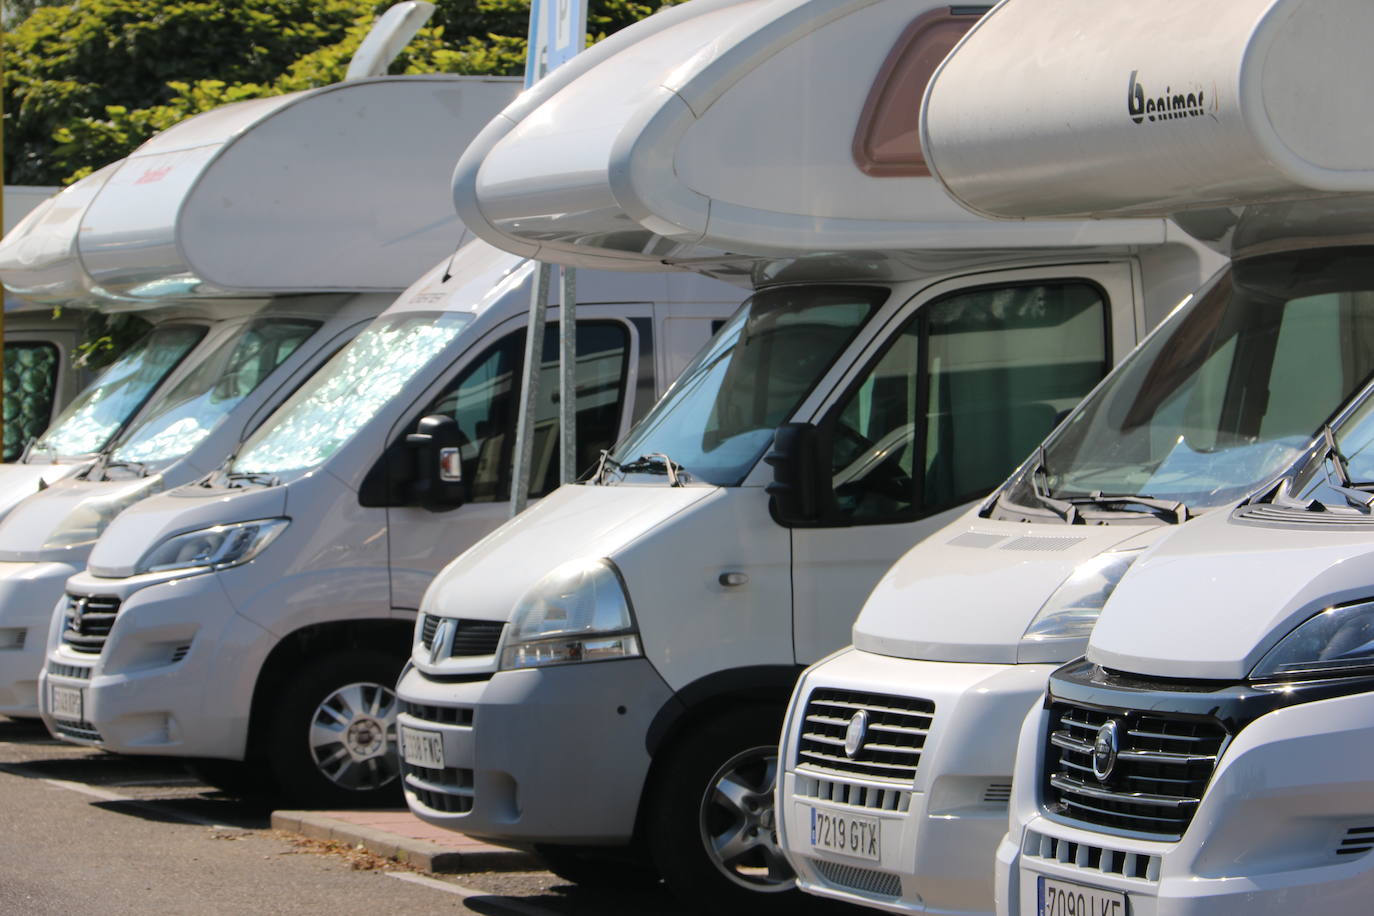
point(1095, 108)
point(753, 128)
point(340, 188)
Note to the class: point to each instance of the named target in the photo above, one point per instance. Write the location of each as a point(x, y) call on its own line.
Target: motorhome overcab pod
point(40, 343)
point(256, 621)
point(1206, 757)
point(921, 350)
point(243, 233)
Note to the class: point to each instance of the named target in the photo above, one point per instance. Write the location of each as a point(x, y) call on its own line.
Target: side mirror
point(794, 496)
point(437, 483)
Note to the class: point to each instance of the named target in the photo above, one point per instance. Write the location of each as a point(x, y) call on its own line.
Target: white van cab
point(1207, 756)
point(910, 352)
point(898, 752)
point(269, 607)
point(243, 311)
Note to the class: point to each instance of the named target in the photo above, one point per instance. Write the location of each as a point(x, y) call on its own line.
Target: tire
point(596, 868)
point(332, 738)
point(711, 826)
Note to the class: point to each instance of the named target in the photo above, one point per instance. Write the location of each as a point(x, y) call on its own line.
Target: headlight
point(577, 613)
point(1072, 610)
point(213, 548)
point(92, 515)
point(1339, 640)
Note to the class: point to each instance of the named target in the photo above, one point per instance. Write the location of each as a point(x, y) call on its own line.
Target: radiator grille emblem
point(856, 732)
point(443, 640)
point(1106, 746)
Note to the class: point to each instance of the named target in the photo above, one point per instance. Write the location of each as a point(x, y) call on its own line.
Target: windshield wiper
point(109, 464)
point(239, 479)
point(1040, 489)
point(603, 464)
point(656, 463)
point(1355, 494)
point(1173, 507)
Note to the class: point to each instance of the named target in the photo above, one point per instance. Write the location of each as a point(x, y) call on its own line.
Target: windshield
point(179, 419)
point(1227, 394)
point(347, 392)
point(719, 417)
point(90, 421)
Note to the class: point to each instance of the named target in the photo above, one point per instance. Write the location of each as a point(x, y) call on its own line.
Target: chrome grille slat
point(1163, 764)
point(893, 740)
point(87, 622)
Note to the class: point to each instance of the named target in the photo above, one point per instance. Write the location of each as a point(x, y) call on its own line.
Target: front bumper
point(148, 690)
point(1286, 825)
point(937, 832)
point(546, 755)
point(28, 594)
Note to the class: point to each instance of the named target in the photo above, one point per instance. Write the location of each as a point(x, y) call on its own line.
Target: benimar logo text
point(1166, 107)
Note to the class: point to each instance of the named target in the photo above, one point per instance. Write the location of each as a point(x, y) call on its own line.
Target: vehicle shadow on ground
point(571, 900)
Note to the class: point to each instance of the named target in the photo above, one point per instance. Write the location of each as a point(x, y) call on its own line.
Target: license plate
point(422, 748)
point(1063, 898)
point(846, 833)
point(65, 703)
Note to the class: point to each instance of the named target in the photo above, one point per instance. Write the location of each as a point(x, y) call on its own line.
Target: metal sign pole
point(558, 29)
point(567, 374)
point(534, 358)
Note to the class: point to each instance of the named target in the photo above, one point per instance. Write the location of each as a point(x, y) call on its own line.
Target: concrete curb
point(425, 855)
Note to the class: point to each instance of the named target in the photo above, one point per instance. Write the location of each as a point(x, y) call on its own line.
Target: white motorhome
point(1207, 754)
point(898, 752)
point(910, 352)
point(40, 341)
point(246, 234)
point(256, 621)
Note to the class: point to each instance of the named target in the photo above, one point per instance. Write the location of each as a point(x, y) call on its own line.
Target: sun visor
point(333, 189)
point(766, 128)
point(38, 259)
point(1108, 108)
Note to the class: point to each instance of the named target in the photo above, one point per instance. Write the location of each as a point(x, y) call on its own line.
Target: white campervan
point(1209, 754)
point(898, 752)
point(261, 615)
point(910, 352)
point(40, 376)
point(244, 234)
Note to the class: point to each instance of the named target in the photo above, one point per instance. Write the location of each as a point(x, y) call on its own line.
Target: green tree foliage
point(88, 82)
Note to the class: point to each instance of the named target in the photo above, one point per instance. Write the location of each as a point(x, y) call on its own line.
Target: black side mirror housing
point(795, 496)
point(437, 481)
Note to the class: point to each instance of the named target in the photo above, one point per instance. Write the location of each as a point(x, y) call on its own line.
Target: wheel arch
point(310, 642)
point(755, 685)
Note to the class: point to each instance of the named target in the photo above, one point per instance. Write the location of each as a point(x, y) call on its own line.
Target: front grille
point(83, 731)
point(1163, 765)
point(441, 715)
point(88, 622)
point(448, 790)
point(838, 792)
point(469, 637)
point(75, 672)
point(1356, 842)
point(1101, 859)
point(863, 880)
point(892, 741)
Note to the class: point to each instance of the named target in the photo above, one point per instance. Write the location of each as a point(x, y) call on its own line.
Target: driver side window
point(962, 393)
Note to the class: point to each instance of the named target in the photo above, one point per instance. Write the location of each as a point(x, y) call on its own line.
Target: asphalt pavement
point(85, 831)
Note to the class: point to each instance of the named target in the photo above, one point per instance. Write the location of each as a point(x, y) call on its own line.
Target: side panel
point(835, 568)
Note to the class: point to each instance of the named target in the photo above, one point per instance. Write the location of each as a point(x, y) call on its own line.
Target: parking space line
point(489, 898)
point(106, 795)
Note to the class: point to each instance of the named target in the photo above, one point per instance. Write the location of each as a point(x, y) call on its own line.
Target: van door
point(969, 378)
point(483, 398)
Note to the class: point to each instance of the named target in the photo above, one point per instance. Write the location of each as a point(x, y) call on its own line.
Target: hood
point(572, 522)
point(968, 593)
point(62, 522)
point(1216, 594)
point(149, 522)
point(19, 481)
